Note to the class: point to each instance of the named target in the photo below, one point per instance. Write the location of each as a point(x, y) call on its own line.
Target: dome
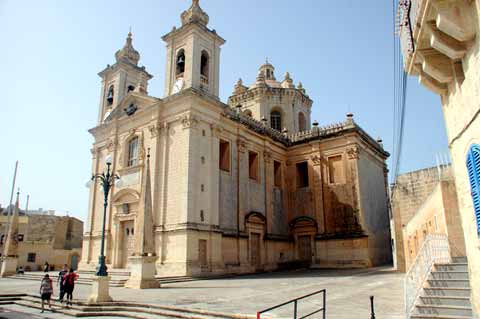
point(128, 53)
point(194, 14)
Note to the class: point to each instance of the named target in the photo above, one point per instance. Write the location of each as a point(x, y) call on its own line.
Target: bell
point(181, 60)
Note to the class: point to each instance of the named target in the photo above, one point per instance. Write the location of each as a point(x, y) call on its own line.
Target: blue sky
point(52, 51)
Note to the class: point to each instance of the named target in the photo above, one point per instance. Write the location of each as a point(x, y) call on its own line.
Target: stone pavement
point(348, 293)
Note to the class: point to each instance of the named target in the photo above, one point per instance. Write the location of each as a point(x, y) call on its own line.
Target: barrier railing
point(435, 249)
point(295, 305)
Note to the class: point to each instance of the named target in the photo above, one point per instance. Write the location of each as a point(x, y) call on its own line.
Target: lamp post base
point(100, 290)
point(9, 266)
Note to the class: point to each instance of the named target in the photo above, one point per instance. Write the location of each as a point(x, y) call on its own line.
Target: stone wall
point(407, 196)
point(438, 215)
point(461, 108)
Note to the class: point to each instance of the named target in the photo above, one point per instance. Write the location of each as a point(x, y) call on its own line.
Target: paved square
point(348, 293)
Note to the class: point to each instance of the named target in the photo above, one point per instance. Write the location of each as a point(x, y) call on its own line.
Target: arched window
point(180, 64)
point(276, 120)
point(110, 95)
point(473, 168)
point(302, 123)
point(204, 61)
point(133, 152)
point(130, 88)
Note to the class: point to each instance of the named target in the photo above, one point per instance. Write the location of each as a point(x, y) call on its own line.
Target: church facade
point(211, 187)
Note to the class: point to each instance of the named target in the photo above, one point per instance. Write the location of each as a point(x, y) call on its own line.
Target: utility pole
point(9, 212)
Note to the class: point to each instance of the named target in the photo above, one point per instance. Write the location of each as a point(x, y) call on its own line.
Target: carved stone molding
point(242, 145)
point(216, 130)
point(288, 163)
point(94, 150)
point(267, 156)
point(111, 144)
point(154, 130)
point(317, 160)
point(189, 121)
point(353, 152)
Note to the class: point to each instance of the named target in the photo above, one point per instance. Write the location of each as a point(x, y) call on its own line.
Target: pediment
point(131, 104)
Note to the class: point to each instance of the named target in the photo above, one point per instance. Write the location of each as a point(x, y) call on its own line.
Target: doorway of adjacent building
point(74, 262)
point(202, 253)
point(255, 258)
point(305, 248)
point(128, 242)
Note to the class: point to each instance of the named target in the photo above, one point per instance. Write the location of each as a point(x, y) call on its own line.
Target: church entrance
point(305, 248)
point(128, 242)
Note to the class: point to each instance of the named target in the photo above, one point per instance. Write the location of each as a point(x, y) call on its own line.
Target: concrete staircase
point(446, 294)
point(26, 302)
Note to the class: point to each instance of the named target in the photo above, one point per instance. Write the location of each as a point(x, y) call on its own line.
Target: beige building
point(45, 238)
point(440, 45)
point(247, 186)
point(424, 202)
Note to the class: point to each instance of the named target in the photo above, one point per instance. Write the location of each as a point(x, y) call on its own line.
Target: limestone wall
point(461, 110)
point(407, 196)
point(374, 207)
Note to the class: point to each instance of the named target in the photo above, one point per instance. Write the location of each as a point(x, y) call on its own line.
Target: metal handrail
point(435, 249)
point(295, 308)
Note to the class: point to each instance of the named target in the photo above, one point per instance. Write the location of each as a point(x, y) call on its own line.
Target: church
point(211, 188)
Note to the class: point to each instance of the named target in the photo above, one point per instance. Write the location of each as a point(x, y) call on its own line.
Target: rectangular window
point(31, 257)
point(277, 173)
point(224, 157)
point(133, 152)
point(335, 170)
point(302, 174)
point(253, 165)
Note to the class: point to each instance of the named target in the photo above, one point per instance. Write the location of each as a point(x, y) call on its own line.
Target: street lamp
point(107, 179)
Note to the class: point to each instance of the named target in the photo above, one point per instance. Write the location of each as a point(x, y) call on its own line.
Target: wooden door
point(255, 257)
point(202, 253)
point(305, 248)
point(128, 243)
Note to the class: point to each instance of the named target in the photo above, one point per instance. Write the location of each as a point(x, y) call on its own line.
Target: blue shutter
point(473, 167)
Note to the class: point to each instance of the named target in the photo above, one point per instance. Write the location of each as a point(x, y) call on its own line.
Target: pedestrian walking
point(61, 283)
point(46, 267)
point(46, 291)
point(69, 284)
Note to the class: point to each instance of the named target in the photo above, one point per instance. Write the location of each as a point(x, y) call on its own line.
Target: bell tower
point(121, 78)
point(193, 54)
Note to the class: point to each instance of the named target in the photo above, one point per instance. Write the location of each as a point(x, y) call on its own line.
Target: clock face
point(178, 86)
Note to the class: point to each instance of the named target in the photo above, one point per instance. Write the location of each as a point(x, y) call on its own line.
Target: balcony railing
point(435, 249)
point(407, 11)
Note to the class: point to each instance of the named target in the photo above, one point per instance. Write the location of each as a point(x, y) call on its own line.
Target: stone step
point(459, 260)
point(425, 316)
point(120, 309)
point(441, 275)
point(80, 281)
point(452, 267)
point(111, 272)
point(443, 310)
point(446, 301)
point(452, 283)
point(446, 291)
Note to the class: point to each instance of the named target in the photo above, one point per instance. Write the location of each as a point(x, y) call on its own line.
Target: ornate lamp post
point(106, 179)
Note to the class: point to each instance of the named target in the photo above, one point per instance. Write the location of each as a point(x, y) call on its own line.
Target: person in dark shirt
point(61, 282)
